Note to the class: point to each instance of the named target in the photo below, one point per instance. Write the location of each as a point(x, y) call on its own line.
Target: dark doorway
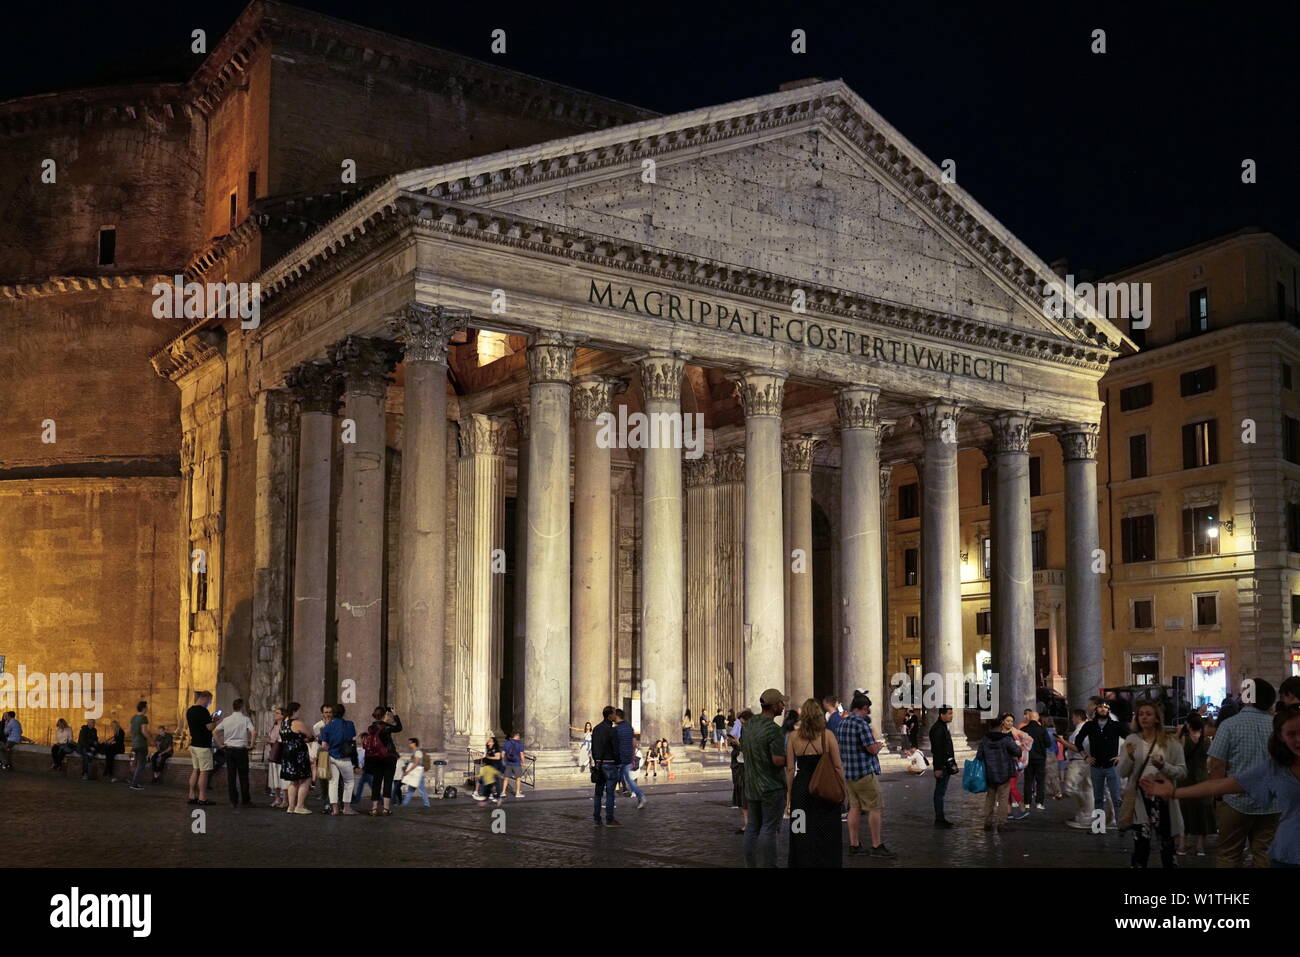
point(823, 603)
point(1042, 657)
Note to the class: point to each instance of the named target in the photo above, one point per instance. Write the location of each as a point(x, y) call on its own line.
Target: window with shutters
point(1293, 527)
point(913, 626)
point(1143, 613)
point(1137, 456)
point(1200, 444)
point(1038, 548)
point(982, 623)
point(986, 552)
point(1198, 381)
point(1291, 439)
point(909, 501)
point(984, 485)
point(910, 566)
point(1035, 476)
point(1135, 397)
point(1200, 531)
point(1138, 536)
point(1206, 608)
point(1198, 311)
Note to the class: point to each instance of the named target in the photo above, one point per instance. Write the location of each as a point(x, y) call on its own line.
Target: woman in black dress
point(1198, 813)
point(817, 842)
point(295, 761)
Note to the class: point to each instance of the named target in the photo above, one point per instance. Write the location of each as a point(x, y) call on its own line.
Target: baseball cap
point(771, 696)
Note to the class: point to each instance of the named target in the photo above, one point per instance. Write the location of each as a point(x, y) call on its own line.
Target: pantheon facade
point(787, 266)
point(392, 487)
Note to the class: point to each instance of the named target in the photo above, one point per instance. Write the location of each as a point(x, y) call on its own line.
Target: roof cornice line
point(421, 212)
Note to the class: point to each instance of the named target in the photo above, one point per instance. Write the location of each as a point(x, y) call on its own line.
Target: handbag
point(597, 773)
point(277, 752)
point(826, 783)
point(323, 764)
point(974, 777)
point(1128, 806)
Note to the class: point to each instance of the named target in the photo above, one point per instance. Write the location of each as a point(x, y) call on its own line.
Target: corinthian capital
point(1011, 433)
point(593, 395)
point(729, 466)
point(699, 472)
point(938, 421)
point(856, 406)
point(761, 393)
point(314, 385)
point(364, 364)
point(661, 375)
point(426, 331)
point(797, 452)
point(550, 358)
point(483, 434)
point(1079, 441)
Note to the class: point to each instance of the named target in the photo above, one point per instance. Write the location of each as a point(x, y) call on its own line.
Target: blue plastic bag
point(972, 777)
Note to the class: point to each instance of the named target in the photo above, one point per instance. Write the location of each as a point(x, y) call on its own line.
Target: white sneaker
point(478, 797)
point(1039, 807)
point(640, 803)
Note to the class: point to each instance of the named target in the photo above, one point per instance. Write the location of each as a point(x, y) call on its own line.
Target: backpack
point(973, 777)
point(374, 745)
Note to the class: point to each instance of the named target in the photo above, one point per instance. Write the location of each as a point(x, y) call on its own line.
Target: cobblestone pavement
point(49, 820)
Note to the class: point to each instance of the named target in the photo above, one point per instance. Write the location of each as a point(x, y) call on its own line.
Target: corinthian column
point(701, 584)
point(862, 483)
point(761, 395)
point(417, 679)
point(480, 598)
point(546, 655)
point(796, 466)
point(518, 659)
point(941, 638)
point(662, 600)
point(363, 365)
point(1013, 572)
point(591, 687)
point(314, 386)
point(1084, 671)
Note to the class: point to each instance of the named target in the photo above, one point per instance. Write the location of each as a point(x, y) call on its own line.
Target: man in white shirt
point(235, 735)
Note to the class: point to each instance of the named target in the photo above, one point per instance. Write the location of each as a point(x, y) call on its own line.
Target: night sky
point(1108, 160)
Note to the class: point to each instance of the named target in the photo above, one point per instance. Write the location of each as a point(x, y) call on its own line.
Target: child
point(488, 776)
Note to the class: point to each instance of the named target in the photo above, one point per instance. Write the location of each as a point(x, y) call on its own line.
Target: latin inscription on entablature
point(797, 330)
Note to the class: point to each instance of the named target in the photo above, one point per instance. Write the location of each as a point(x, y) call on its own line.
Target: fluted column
point(862, 483)
point(591, 687)
point(1014, 569)
point(995, 601)
point(662, 598)
point(546, 657)
point(761, 395)
point(520, 598)
point(729, 541)
point(796, 467)
point(1084, 651)
point(702, 661)
point(314, 387)
point(886, 654)
point(418, 679)
point(480, 591)
point(941, 635)
point(363, 366)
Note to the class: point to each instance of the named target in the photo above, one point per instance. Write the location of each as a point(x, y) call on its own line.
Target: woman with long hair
point(584, 750)
point(817, 841)
point(1276, 779)
point(1198, 813)
point(1148, 752)
point(381, 758)
point(494, 757)
point(62, 745)
point(295, 761)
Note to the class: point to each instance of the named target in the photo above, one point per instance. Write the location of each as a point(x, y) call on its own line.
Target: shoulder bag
point(826, 783)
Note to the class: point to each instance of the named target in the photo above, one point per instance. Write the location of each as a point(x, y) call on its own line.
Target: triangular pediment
point(809, 185)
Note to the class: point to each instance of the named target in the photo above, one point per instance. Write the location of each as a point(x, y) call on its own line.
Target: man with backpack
point(514, 764)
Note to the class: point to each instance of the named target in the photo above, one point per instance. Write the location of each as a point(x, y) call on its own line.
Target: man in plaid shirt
point(1240, 744)
point(858, 750)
